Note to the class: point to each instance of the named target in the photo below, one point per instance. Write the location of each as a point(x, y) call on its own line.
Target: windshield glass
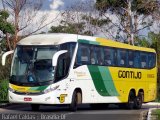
point(33, 64)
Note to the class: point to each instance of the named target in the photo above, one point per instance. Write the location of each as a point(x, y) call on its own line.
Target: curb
point(149, 116)
point(143, 115)
point(153, 103)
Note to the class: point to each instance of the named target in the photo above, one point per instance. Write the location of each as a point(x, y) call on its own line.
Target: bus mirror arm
point(5, 55)
point(56, 56)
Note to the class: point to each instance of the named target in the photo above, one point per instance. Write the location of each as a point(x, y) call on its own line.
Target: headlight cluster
point(11, 90)
point(50, 89)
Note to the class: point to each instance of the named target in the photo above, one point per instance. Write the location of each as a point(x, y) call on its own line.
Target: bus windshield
point(33, 64)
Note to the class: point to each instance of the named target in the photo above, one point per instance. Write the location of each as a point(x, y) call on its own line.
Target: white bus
point(73, 69)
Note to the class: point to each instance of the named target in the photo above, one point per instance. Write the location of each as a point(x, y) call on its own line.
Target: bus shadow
point(54, 109)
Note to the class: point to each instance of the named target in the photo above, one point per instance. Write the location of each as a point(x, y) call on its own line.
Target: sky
point(53, 8)
point(60, 4)
point(55, 4)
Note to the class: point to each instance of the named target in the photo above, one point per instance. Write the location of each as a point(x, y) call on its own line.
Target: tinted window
point(130, 58)
point(136, 59)
point(109, 57)
point(64, 46)
point(99, 56)
point(83, 55)
point(122, 57)
point(62, 68)
point(68, 46)
point(72, 48)
point(151, 60)
point(144, 60)
point(92, 55)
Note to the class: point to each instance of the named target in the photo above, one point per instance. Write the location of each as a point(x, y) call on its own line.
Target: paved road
point(23, 112)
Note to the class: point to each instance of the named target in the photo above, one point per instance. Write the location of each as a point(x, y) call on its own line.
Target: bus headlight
point(50, 89)
point(11, 90)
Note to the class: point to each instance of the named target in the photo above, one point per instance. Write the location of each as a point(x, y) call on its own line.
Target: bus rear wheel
point(131, 100)
point(76, 99)
point(139, 100)
point(35, 107)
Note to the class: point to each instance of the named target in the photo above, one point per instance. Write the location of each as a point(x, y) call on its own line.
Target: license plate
point(27, 99)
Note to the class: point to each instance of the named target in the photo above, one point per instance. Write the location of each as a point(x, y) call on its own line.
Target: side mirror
point(5, 55)
point(56, 56)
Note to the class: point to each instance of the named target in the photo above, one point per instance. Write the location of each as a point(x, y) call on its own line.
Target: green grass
point(3, 91)
point(156, 114)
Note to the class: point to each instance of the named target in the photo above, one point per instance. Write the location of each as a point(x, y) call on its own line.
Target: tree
point(132, 15)
point(155, 43)
point(155, 40)
point(68, 28)
point(143, 42)
point(80, 18)
point(151, 41)
point(24, 14)
point(72, 21)
point(6, 27)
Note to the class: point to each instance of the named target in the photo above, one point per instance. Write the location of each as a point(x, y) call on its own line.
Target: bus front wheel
point(76, 99)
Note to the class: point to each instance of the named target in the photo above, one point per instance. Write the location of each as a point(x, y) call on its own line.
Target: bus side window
point(136, 59)
point(64, 46)
point(122, 57)
point(130, 58)
point(109, 56)
point(144, 60)
point(92, 55)
point(102, 55)
point(151, 60)
point(99, 56)
point(72, 48)
point(62, 68)
point(83, 55)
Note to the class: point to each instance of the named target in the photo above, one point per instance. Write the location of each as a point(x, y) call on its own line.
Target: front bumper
point(49, 98)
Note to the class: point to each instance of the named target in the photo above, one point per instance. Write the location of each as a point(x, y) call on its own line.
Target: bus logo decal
point(129, 74)
point(62, 98)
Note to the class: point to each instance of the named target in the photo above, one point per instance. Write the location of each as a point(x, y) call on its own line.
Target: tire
point(131, 101)
point(35, 107)
point(76, 99)
point(139, 100)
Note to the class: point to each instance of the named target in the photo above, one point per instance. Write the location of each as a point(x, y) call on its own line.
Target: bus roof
point(59, 38)
point(52, 39)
